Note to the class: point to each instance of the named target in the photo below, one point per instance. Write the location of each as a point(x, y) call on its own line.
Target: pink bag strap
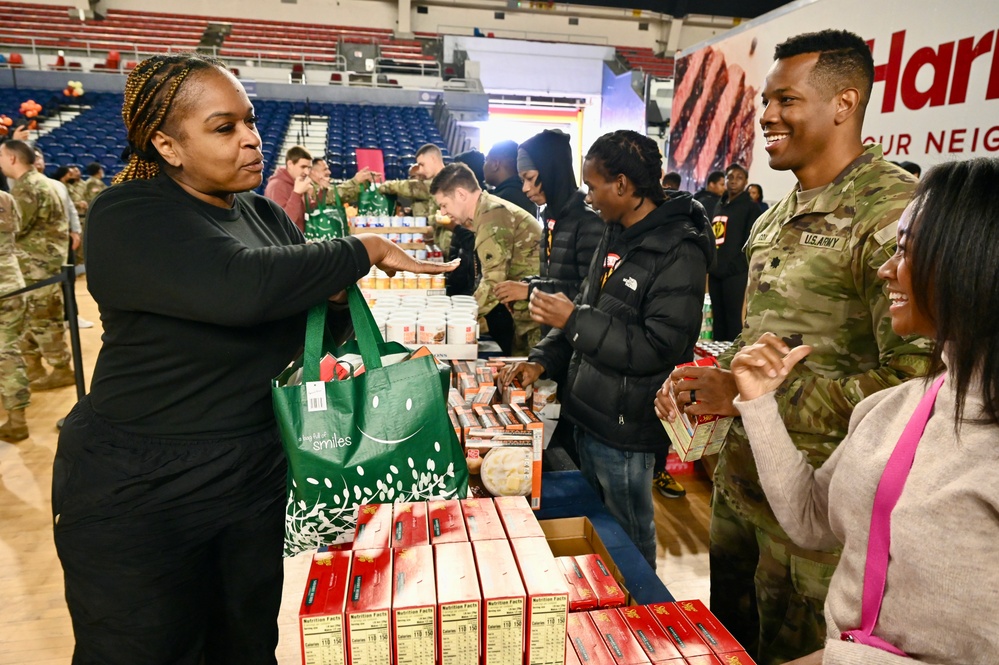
point(889, 490)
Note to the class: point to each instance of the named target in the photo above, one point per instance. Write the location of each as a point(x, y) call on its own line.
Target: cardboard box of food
point(709, 627)
point(706, 659)
point(695, 436)
point(651, 636)
point(735, 658)
point(514, 393)
point(374, 526)
point(482, 522)
point(547, 601)
point(320, 618)
point(506, 417)
point(504, 603)
point(517, 517)
point(590, 648)
point(620, 642)
point(581, 596)
point(570, 536)
point(414, 606)
point(409, 524)
point(608, 592)
point(459, 603)
point(369, 604)
point(512, 472)
point(681, 633)
point(570, 651)
point(446, 522)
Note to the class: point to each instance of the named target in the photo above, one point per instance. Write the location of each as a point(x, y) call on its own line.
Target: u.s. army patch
point(822, 242)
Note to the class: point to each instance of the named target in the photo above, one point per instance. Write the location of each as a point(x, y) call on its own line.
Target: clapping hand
point(762, 367)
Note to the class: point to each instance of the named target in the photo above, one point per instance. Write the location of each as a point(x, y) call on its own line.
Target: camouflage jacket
point(10, 224)
point(508, 244)
point(91, 188)
point(423, 205)
point(43, 242)
point(348, 191)
point(813, 280)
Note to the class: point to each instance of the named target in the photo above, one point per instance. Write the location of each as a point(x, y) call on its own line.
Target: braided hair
point(637, 157)
point(149, 93)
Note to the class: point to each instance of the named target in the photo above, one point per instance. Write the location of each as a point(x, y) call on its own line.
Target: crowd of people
point(844, 300)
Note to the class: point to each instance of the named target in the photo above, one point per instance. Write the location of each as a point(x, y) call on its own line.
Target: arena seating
point(646, 60)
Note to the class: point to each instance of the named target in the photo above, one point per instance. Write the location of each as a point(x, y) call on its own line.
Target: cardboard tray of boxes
point(508, 593)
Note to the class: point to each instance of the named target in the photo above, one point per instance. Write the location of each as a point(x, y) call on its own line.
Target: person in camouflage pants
point(14, 391)
point(42, 248)
point(508, 244)
point(813, 261)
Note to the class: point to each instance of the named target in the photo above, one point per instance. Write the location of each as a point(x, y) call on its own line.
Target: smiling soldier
point(813, 261)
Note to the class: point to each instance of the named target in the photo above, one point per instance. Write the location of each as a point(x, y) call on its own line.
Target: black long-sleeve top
point(201, 306)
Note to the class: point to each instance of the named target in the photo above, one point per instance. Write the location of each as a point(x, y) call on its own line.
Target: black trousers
point(727, 296)
point(501, 328)
point(171, 549)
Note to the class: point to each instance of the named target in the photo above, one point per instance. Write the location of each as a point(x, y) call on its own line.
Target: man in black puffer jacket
point(636, 317)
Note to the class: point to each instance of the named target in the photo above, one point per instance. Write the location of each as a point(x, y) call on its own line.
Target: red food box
point(547, 601)
point(459, 604)
point(605, 587)
point(320, 619)
point(414, 606)
point(650, 635)
point(735, 658)
point(680, 631)
point(570, 651)
point(581, 597)
point(622, 645)
point(374, 526)
point(409, 524)
point(446, 522)
point(369, 604)
point(504, 603)
point(590, 648)
point(709, 627)
point(481, 520)
point(518, 517)
point(696, 436)
point(706, 659)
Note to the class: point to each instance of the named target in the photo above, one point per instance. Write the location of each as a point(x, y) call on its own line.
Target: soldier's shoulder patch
point(887, 234)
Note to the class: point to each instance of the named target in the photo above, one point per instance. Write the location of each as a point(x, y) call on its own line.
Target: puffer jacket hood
point(551, 153)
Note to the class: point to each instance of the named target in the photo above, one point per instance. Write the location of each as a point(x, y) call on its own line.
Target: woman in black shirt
point(168, 483)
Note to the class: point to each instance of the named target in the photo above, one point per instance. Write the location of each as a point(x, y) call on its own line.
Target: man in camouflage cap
point(508, 244)
point(813, 261)
point(14, 391)
point(429, 162)
point(42, 248)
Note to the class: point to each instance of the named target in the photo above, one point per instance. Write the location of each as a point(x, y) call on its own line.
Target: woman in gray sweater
point(941, 595)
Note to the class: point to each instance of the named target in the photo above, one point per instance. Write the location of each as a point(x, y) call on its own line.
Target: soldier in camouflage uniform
point(42, 247)
point(429, 162)
point(507, 242)
point(813, 261)
point(14, 391)
point(94, 184)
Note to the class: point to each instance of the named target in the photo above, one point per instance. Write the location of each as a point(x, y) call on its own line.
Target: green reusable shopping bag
point(381, 437)
point(372, 202)
point(324, 221)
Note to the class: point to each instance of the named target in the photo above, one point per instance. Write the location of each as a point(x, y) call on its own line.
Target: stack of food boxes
point(502, 435)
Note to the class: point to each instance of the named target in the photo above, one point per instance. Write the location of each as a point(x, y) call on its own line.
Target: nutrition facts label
point(369, 638)
point(547, 645)
point(460, 634)
point(415, 643)
point(322, 640)
point(504, 626)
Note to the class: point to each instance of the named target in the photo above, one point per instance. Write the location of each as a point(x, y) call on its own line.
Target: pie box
point(459, 604)
point(536, 429)
point(481, 520)
point(608, 592)
point(369, 604)
point(374, 526)
point(650, 635)
point(692, 436)
point(590, 648)
point(514, 393)
point(446, 522)
point(506, 417)
point(504, 603)
point(409, 524)
point(581, 596)
point(570, 651)
point(681, 633)
point(517, 516)
point(414, 606)
point(547, 601)
point(320, 618)
point(622, 645)
point(709, 627)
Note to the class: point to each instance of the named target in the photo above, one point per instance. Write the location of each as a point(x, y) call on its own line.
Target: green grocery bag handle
point(369, 337)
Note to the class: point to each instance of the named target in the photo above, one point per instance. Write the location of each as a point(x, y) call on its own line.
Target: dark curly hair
point(845, 60)
point(636, 157)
